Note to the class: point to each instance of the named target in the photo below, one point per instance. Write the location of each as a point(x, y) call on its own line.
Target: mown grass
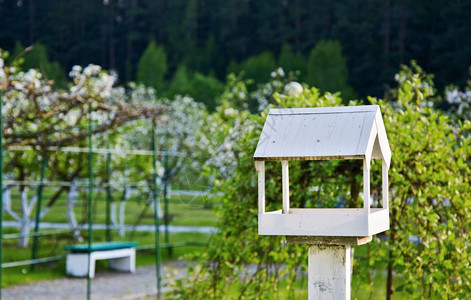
point(54, 246)
point(183, 210)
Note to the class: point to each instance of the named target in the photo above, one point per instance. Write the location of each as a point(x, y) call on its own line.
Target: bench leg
point(77, 265)
point(125, 264)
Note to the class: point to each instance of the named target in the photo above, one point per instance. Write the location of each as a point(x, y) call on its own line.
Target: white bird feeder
point(324, 133)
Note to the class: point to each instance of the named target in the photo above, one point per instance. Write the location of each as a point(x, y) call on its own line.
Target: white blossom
point(293, 88)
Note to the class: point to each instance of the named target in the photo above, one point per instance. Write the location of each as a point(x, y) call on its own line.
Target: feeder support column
point(285, 185)
point(329, 273)
point(384, 180)
point(366, 186)
point(260, 167)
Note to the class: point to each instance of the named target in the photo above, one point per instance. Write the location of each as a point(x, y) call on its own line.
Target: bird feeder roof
point(322, 133)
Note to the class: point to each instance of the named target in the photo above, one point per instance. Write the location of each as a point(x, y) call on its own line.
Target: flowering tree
point(37, 115)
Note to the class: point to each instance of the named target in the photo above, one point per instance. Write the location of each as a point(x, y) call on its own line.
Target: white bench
point(121, 256)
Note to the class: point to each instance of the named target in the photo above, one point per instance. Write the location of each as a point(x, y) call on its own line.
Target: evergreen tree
point(327, 69)
point(152, 67)
point(291, 61)
point(203, 88)
point(180, 82)
point(258, 67)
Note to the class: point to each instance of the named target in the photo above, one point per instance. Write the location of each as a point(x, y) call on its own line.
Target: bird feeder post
point(285, 185)
point(260, 167)
point(325, 133)
point(329, 272)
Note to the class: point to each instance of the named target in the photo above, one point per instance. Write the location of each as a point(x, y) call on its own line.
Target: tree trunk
point(25, 223)
point(72, 220)
point(386, 26)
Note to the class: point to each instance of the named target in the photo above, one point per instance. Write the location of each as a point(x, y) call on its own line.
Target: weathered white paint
point(329, 272)
point(285, 185)
point(324, 222)
point(322, 133)
point(383, 139)
point(77, 264)
point(72, 220)
point(366, 186)
point(318, 134)
point(260, 167)
point(384, 181)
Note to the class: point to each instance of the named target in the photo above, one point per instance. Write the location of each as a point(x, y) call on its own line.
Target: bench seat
point(121, 256)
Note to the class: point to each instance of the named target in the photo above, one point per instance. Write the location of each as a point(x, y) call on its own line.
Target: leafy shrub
point(204, 89)
point(428, 245)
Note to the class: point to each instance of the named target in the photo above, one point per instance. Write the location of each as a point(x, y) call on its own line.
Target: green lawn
point(54, 246)
point(183, 210)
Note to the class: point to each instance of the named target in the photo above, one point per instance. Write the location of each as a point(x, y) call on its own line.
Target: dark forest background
point(212, 37)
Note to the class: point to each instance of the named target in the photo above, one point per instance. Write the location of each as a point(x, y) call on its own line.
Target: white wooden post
point(285, 185)
point(260, 167)
point(366, 185)
point(384, 181)
point(329, 273)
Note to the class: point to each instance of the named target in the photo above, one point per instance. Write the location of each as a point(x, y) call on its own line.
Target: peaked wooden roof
point(320, 133)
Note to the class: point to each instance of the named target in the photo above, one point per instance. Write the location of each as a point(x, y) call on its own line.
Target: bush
point(429, 243)
point(204, 89)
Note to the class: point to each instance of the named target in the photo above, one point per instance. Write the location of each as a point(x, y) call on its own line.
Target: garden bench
point(121, 255)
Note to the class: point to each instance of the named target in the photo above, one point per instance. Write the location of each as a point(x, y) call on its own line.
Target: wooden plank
point(323, 110)
point(366, 186)
point(366, 131)
point(320, 135)
point(385, 185)
point(378, 221)
point(329, 157)
point(315, 223)
point(324, 222)
point(383, 138)
point(260, 167)
point(77, 248)
point(329, 272)
point(328, 240)
point(285, 185)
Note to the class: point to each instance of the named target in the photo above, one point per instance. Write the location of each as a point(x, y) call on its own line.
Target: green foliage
point(376, 37)
point(37, 58)
point(291, 61)
point(430, 198)
point(152, 67)
point(204, 89)
point(430, 193)
point(238, 244)
point(180, 82)
point(258, 67)
point(327, 69)
point(207, 59)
